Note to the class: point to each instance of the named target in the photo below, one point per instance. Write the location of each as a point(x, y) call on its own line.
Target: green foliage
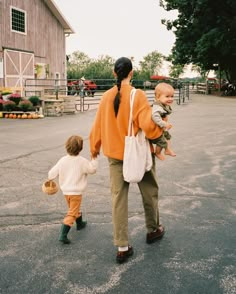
point(176, 70)
point(205, 33)
point(6, 93)
point(34, 100)
point(151, 64)
point(9, 105)
point(1, 103)
point(15, 98)
point(101, 68)
point(25, 105)
point(79, 64)
point(203, 73)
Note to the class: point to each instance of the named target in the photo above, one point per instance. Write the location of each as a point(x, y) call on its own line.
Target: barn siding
point(45, 35)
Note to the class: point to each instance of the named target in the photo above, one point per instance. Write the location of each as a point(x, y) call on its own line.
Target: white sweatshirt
point(73, 172)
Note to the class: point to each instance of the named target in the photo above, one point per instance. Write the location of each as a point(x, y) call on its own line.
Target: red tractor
point(89, 87)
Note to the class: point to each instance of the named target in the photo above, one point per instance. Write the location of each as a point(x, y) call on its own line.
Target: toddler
point(72, 170)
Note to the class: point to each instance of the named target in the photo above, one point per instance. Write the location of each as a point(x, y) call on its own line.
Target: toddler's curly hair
point(74, 145)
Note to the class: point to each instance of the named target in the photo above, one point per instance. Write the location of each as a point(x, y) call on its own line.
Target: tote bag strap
point(130, 127)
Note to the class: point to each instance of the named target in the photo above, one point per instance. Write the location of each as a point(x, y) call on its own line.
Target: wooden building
point(32, 41)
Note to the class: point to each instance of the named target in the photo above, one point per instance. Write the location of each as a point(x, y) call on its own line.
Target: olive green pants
point(162, 140)
point(119, 189)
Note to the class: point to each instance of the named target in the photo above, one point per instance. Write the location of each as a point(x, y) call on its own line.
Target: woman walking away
point(108, 131)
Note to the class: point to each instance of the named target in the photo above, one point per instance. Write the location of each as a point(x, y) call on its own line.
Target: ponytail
point(123, 66)
point(117, 98)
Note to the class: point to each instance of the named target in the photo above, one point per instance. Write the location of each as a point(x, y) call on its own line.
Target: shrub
point(25, 105)
point(34, 100)
point(9, 105)
point(1, 103)
point(6, 93)
point(15, 98)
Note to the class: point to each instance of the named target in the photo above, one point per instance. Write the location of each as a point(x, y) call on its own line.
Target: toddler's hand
point(94, 155)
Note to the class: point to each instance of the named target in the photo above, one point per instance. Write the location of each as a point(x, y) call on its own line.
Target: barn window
point(18, 20)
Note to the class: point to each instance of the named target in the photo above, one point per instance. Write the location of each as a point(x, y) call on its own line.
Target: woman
point(108, 131)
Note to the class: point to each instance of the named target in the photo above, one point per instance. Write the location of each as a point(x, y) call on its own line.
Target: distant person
point(82, 87)
point(72, 170)
point(108, 131)
point(161, 109)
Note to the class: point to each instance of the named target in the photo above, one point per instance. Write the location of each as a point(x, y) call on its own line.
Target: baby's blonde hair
point(163, 88)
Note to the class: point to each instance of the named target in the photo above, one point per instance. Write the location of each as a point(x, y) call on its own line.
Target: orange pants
point(73, 202)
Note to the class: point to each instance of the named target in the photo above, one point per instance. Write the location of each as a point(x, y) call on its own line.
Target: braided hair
point(123, 67)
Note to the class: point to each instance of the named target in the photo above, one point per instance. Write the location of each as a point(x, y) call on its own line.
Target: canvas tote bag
point(137, 154)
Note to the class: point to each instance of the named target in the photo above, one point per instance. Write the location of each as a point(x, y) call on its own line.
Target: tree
point(203, 73)
point(205, 33)
point(79, 64)
point(101, 68)
point(151, 64)
point(176, 70)
point(76, 64)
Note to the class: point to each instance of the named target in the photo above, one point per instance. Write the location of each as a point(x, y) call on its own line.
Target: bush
point(34, 100)
point(6, 93)
point(9, 105)
point(15, 98)
point(1, 103)
point(25, 105)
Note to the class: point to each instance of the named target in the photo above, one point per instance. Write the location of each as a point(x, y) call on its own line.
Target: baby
point(164, 94)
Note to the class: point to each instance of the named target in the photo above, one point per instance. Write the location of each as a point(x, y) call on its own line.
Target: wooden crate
point(69, 104)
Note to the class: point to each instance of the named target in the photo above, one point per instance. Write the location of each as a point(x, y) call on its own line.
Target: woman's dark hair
point(123, 67)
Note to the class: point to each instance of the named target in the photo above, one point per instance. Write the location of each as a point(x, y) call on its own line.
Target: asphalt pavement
point(197, 207)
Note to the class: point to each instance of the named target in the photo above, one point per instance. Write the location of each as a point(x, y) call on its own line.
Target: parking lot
point(197, 207)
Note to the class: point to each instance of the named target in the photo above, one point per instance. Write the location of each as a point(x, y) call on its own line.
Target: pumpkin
point(35, 115)
point(6, 116)
point(24, 115)
point(10, 115)
point(14, 116)
point(18, 116)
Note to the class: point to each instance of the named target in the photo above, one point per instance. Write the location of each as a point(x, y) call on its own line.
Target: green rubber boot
point(80, 224)
point(63, 234)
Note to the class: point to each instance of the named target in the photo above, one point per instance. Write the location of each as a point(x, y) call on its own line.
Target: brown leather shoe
point(122, 256)
point(155, 235)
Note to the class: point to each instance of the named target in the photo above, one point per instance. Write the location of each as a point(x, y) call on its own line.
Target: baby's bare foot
point(170, 152)
point(160, 156)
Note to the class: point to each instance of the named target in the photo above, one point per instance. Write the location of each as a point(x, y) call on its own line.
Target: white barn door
point(18, 66)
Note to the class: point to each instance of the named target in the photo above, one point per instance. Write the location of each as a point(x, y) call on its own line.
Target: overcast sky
point(117, 28)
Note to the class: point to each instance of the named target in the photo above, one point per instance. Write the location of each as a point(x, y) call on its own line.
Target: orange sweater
point(109, 131)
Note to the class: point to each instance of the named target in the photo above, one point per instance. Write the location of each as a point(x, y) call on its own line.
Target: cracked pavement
point(197, 207)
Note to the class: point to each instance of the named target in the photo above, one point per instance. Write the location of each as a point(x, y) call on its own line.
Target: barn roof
point(60, 17)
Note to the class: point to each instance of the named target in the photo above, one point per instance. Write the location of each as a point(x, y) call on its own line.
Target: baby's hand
point(168, 126)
